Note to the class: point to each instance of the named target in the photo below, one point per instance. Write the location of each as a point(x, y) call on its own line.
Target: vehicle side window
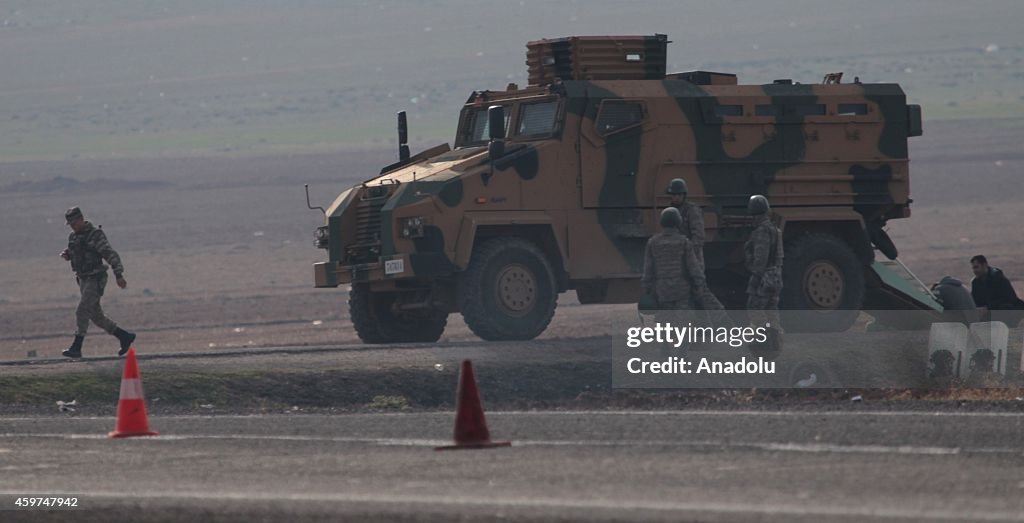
point(538, 119)
point(852, 109)
point(728, 110)
point(809, 109)
point(615, 116)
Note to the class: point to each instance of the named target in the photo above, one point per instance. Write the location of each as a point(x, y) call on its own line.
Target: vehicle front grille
point(368, 220)
point(366, 248)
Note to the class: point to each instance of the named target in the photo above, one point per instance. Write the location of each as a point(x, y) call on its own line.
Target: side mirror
point(495, 149)
point(496, 122)
point(496, 128)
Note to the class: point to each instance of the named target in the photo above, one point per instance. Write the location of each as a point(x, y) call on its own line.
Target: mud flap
point(880, 239)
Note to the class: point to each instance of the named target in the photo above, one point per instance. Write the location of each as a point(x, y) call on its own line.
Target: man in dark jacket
point(992, 291)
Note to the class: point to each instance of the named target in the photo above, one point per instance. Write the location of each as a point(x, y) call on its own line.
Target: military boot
point(75, 350)
point(126, 338)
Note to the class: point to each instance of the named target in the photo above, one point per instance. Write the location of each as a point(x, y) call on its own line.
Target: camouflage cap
point(72, 214)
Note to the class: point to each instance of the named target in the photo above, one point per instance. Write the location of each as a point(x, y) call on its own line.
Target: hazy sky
point(209, 75)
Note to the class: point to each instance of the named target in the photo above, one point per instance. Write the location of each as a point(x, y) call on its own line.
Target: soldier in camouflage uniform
point(87, 249)
point(672, 274)
point(764, 261)
point(692, 224)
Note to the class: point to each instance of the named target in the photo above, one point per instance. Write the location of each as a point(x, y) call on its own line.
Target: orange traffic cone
point(470, 425)
point(131, 408)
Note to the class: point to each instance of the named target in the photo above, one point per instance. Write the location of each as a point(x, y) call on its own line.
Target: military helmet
point(758, 204)
point(72, 214)
point(670, 218)
point(677, 186)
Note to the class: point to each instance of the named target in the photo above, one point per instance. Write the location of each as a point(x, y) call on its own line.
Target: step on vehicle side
point(557, 185)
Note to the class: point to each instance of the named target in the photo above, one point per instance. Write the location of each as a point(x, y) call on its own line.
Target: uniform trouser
point(764, 309)
point(714, 311)
point(673, 312)
point(89, 308)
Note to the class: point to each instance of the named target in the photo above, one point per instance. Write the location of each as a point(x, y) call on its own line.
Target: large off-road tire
point(425, 328)
point(821, 273)
point(375, 322)
point(509, 290)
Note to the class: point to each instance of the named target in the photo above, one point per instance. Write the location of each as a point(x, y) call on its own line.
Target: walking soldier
point(87, 249)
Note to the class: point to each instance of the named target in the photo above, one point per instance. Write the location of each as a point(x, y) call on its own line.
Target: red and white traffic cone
point(131, 408)
point(470, 425)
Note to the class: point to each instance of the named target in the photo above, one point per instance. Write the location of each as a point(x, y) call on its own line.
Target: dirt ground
point(218, 251)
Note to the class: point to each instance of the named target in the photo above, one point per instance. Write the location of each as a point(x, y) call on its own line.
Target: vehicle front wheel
point(375, 320)
point(509, 290)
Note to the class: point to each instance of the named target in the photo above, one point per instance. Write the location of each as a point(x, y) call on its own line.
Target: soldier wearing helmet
point(87, 249)
point(692, 226)
point(672, 274)
point(763, 252)
point(692, 223)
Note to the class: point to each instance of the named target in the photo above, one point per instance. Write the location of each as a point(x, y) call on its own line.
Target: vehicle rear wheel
point(821, 273)
point(375, 320)
point(508, 292)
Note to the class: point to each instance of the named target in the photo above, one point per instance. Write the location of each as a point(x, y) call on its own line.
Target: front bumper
point(332, 274)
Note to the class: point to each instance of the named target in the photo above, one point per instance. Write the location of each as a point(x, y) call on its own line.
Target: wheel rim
point(823, 285)
point(516, 290)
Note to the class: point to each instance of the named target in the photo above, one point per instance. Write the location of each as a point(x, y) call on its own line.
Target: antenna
point(310, 205)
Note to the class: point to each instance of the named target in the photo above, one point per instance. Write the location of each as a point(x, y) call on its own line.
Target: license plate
point(394, 266)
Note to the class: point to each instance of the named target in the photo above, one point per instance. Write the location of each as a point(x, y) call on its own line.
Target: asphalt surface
point(564, 466)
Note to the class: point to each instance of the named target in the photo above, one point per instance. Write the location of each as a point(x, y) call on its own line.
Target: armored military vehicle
point(557, 185)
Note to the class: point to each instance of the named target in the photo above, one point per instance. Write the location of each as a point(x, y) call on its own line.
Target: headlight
point(321, 237)
point(411, 227)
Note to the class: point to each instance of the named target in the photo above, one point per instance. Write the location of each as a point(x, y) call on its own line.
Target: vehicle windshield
point(534, 120)
point(480, 126)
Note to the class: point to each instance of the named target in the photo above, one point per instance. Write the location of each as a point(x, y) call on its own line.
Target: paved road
point(572, 466)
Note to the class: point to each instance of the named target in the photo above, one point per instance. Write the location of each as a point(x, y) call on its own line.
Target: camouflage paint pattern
point(589, 192)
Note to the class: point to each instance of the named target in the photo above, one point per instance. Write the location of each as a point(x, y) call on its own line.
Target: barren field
point(114, 78)
point(218, 251)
